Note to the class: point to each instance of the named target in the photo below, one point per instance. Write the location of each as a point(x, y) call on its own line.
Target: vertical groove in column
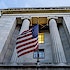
point(58, 52)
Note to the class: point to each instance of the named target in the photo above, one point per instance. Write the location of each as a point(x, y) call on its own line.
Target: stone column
point(25, 25)
point(0, 13)
point(15, 59)
point(57, 48)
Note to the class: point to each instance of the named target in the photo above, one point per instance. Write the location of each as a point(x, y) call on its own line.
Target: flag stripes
point(25, 48)
point(26, 43)
point(23, 36)
point(31, 50)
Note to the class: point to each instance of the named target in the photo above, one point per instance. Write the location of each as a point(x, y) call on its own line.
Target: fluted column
point(25, 25)
point(57, 48)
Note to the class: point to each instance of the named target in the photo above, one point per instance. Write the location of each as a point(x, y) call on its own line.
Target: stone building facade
point(54, 38)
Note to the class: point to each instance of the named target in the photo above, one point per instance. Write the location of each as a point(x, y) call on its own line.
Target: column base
point(61, 64)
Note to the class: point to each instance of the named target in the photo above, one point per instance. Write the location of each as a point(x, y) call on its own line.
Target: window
point(35, 55)
point(41, 38)
point(41, 54)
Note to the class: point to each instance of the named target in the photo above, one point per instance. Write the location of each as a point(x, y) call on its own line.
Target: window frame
point(40, 50)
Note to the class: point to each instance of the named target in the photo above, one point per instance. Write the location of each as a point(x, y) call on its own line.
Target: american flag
point(27, 41)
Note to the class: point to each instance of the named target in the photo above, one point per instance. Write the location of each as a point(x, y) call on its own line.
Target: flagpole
point(38, 56)
point(38, 50)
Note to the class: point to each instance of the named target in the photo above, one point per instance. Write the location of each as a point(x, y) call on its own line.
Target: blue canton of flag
point(35, 31)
